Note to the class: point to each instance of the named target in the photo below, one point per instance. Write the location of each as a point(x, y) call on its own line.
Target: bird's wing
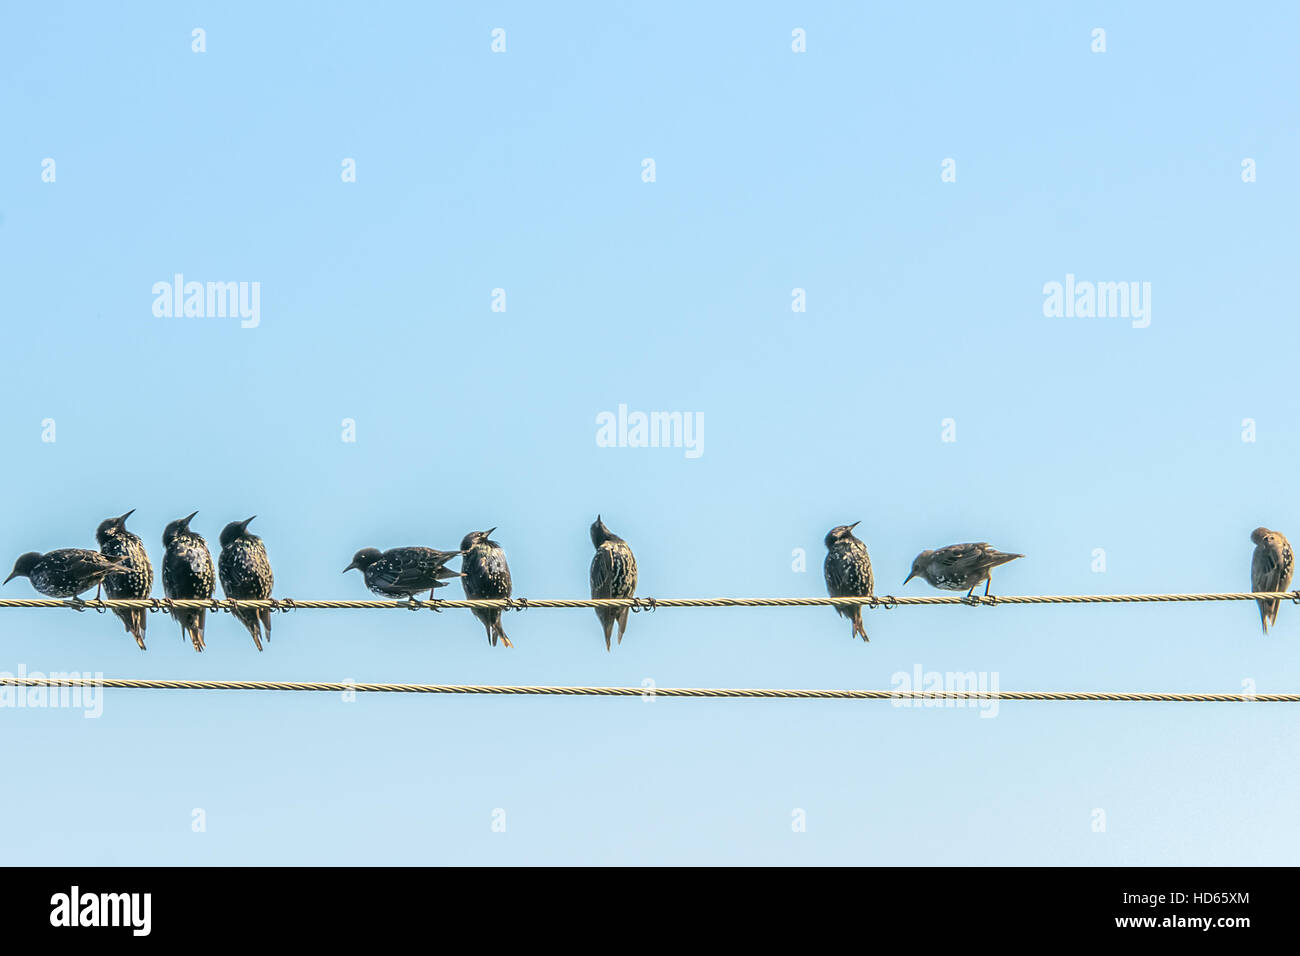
point(960, 555)
point(82, 563)
point(1266, 568)
point(602, 573)
point(407, 569)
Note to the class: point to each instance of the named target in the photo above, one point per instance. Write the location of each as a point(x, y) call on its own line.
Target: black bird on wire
point(1271, 568)
point(848, 572)
point(246, 574)
point(613, 575)
point(404, 572)
point(486, 576)
point(187, 575)
point(67, 572)
point(960, 567)
point(116, 542)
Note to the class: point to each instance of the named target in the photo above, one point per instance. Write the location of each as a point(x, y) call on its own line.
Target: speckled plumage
point(246, 574)
point(960, 567)
point(64, 573)
point(1271, 568)
point(404, 572)
point(187, 574)
point(486, 576)
point(116, 542)
point(613, 575)
point(848, 572)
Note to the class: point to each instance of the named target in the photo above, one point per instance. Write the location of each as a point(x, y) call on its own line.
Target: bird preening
point(121, 569)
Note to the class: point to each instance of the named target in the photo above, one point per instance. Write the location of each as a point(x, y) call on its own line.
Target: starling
point(116, 542)
point(1270, 570)
point(67, 572)
point(187, 575)
point(246, 575)
point(960, 567)
point(486, 576)
point(403, 572)
point(848, 572)
point(613, 575)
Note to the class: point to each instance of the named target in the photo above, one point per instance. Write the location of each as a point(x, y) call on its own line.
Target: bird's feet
point(76, 603)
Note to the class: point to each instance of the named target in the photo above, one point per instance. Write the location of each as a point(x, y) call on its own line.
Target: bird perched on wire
point(486, 575)
point(67, 572)
point(848, 572)
point(404, 572)
point(187, 575)
point(960, 567)
point(245, 572)
point(613, 575)
point(116, 542)
point(1270, 570)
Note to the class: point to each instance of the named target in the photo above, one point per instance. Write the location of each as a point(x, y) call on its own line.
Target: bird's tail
point(265, 615)
point(1001, 557)
point(858, 629)
point(193, 626)
point(1267, 612)
point(622, 622)
point(499, 634)
point(133, 619)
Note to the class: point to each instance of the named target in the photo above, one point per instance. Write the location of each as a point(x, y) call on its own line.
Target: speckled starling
point(246, 575)
point(65, 573)
point(486, 576)
point(1270, 570)
point(960, 567)
point(403, 572)
point(187, 575)
point(116, 542)
point(848, 572)
point(613, 575)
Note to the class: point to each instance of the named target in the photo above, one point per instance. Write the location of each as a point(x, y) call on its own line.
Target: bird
point(960, 567)
point(116, 542)
point(187, 574)
point(613, 575)
point(848, 572)
point(1270, 570)
point(404, 572)
point(246, 575)
point(486, 575)
point(67, 572)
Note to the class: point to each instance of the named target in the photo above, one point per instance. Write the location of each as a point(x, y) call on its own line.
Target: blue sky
point(522, 170)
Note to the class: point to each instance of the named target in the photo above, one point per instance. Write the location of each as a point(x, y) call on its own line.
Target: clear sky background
point(775, 170)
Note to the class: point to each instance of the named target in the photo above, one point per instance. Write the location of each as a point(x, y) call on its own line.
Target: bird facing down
point(116, 542)
point(67, 572)
point(1270, 570)
point(613, 575)
point(486, 576)
point(848, 572)
point(959, 567)
point(187, 575)
point(403, 572)
point(245, 572)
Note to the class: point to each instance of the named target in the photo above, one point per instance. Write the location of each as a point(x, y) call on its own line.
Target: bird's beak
point(854, 525)
point(909, 577)
point(243, 525)
point(190, 518)
point(11, 577)
point(122, 520)
point(488, 532)
point(349, 567)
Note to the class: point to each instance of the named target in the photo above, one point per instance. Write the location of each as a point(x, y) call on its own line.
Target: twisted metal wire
point(590, 691)
point(887, 602)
